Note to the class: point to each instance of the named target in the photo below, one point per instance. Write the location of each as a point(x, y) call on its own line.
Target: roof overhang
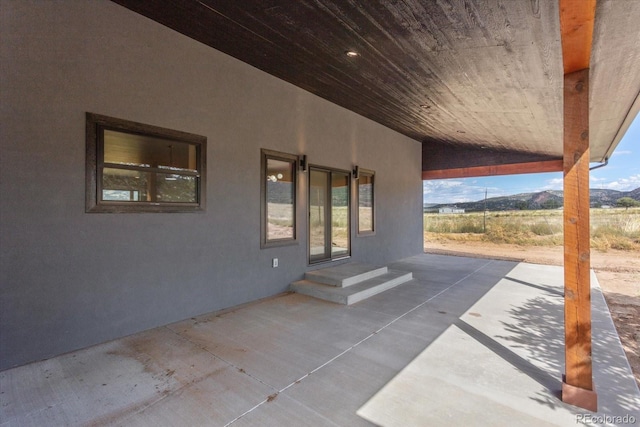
point(460, 77)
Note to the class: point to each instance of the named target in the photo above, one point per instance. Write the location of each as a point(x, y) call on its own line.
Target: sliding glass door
point(329, 219)
point(318, 237)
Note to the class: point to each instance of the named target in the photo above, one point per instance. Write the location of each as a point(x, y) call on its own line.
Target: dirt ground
point(618, 273)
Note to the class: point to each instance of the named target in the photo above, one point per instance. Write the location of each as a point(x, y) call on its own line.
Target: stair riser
point(344, 282)
point(331, 294)
point(352, 299)
point(325, 296)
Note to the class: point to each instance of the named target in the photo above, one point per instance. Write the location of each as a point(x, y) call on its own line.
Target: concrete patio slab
point(505, 363)
point(113, 382)
point(467, 342)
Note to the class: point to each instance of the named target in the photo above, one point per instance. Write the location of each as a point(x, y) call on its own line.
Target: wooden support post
point(577, 387)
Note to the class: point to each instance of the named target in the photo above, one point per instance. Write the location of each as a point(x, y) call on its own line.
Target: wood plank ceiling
point(478, 82)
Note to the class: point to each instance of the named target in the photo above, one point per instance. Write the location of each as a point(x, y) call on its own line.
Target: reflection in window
point(329, 214)
point(123, 195)
point(172, 176)
point(134, 167)
point(365, 202)
point(279, 196)
point(339, 213)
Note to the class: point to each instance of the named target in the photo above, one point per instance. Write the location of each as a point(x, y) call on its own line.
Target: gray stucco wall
point(71, 279)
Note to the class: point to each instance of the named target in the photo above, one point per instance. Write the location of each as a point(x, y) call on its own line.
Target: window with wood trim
point(133, 167)
point(278, 198)
point(366, 202)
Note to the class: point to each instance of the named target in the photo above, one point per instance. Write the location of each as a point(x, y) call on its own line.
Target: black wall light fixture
point(303, 163)
point(356, 172)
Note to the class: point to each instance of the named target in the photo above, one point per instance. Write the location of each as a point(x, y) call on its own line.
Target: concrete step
point(354, 293)
point(346, 274)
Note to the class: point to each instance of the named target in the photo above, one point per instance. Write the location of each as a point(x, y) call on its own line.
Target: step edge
point(317, 276)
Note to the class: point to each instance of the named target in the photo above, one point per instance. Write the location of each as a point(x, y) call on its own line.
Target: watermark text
point(605, 419)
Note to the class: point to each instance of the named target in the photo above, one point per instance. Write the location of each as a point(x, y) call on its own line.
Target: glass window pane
point(365, 202)
point(175, 188)
point(125, 185)
point(339, 213)
point(318, 188)
point(148, 151)
point(280, 199)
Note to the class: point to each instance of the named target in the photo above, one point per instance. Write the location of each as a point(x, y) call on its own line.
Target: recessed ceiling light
point(352, 53)
point(425, 106)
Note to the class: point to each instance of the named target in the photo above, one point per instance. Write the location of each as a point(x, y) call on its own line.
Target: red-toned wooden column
point(577, 387)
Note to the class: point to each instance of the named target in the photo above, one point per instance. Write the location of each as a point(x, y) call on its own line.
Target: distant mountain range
point(550, 199)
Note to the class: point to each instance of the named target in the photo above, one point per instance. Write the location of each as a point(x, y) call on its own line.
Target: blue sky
point(622, 173)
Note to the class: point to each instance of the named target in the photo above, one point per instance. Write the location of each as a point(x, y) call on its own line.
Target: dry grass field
point(610, 228)
point(536, 237)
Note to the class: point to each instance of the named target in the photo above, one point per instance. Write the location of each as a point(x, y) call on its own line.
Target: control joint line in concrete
point(238, 368)
point(359, 342)
point(201, 347)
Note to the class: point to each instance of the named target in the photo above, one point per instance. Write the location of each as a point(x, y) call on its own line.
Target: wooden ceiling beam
point(493, 170)
point(443, 159)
